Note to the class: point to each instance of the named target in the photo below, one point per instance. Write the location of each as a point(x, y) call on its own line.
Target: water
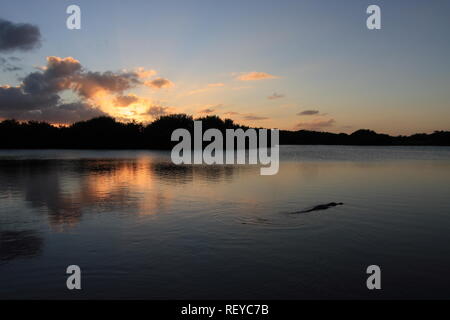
point(140, 227)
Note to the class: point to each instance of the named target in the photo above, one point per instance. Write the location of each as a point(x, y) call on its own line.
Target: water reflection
point(66, 189)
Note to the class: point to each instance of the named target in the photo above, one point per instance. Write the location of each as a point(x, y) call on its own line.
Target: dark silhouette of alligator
point(321, 207)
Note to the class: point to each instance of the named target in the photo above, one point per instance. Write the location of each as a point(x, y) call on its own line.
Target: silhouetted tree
point(107, 133)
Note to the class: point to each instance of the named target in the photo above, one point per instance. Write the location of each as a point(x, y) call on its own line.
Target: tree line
point(107, 133)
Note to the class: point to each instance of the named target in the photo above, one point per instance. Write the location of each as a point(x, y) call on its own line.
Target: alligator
point(321, 207)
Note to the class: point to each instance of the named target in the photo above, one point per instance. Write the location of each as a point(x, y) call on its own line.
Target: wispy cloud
point(209, 87)
point(275, 96)
point(254, 117)
point(6, 64)
point(231, 113)
point(317, 124)
point(241, 88)
point(247, 116)
point(308, 113)
point(216, 85)
point(207, 110)
point(210, 108)
point(252, 76)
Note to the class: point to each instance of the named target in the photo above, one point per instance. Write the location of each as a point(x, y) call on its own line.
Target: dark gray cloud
point(64, 113)
point(61, 67)
point(67, 73)
point(14, 99)
point(16, 104)
point(308, 113)
point(58, 75)
point(18, 36)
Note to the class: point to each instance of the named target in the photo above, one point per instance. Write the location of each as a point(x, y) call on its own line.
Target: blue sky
point(320, 54)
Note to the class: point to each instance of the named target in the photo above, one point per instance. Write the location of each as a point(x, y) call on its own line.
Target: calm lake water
point(140, 227)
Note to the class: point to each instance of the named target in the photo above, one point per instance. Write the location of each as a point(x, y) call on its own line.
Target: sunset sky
point(285, 64)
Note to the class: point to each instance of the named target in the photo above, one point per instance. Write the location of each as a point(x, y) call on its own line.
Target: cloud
point(91, 83)
point(210, 86)
point(251, 76)
point(143, 73)
point(254, 117)
point(11, 68)
point(207, 110)
point(62, 67)
point(19, 105)
point(196, 91)
point(13, 101)
point(317, 124)
point(157, 111)
point(215, 85)
point(275, 96)
point(308, 113)
point(125, 101)
point(7, 66)
point(241, 88)
point(67, 73)
point(249, 116)
point(39, 94)
point(64, 113)
point(231, 113)
point(210, 108)
point(57, 75)
point(18, 36)
point(159, 83)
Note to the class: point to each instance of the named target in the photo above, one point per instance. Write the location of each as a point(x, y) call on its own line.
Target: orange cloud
point(144, 73)
point(231, 113)
point(316, 124)
point(248, 116)
point(215, 85)
point(125, 101)
point(98, 93)
point(251, 76)
point(207, 88)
